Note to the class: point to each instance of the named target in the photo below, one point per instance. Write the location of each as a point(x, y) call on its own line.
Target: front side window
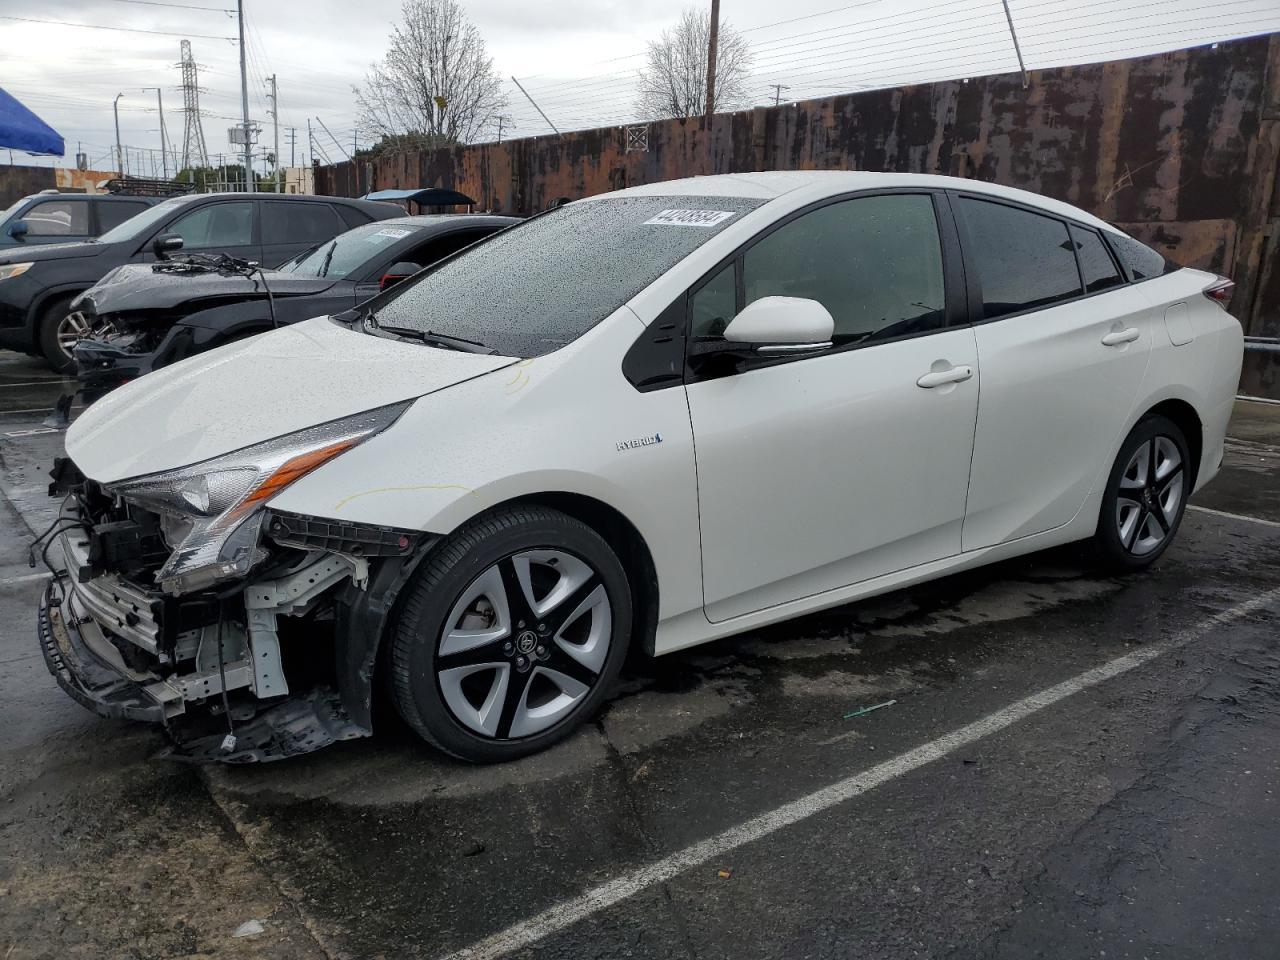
point(874, 262)
point(300, 222)
point(1024, 260)
point(1096, 266)
point(58, 218)
point(216, 225)
point(535, 287)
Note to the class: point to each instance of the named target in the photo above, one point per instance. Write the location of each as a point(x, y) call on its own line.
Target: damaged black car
point(148, 316)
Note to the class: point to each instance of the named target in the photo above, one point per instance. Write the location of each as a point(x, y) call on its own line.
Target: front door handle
point(1117, 337)
point(940, 378)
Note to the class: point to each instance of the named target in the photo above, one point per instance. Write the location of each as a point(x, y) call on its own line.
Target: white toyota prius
point(640, 421)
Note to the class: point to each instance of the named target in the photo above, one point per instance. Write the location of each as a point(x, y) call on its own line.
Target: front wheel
point(1146, 495)
point(511, 634)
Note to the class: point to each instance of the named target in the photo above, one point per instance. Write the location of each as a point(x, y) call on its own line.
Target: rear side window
point(874, 262)
point(112, 213)
point(1024, 260)
point(302, 222)
point(441, 247)
point(1096, 266)
point(1139, 260)
point(58, 218)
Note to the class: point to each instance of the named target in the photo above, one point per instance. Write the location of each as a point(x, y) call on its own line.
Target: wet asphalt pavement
point(1135, 817)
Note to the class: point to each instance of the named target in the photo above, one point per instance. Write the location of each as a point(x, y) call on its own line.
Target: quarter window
point(58, 218)
point(874, 262)
point(1140, 260)
point(1024, 260)
point(1096, 266)
point(216, 225)
point(714, 304)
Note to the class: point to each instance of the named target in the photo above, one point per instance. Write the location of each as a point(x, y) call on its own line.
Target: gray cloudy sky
point(576, 57)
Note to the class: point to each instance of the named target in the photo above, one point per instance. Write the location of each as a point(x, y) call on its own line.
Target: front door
point(823, 471)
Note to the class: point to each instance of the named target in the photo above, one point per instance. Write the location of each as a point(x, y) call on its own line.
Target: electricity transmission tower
point(194, 152)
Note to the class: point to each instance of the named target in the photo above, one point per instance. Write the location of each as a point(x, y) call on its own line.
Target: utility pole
point(244, 104)
point(293, 146)
point(115, 106)
point(713, 42)
point(777, 92)
point(275, 128)
point(311, 148)
point(1016, 49)
point(164, 156)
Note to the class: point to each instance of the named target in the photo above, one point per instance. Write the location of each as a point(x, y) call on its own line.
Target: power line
point(97, 26)
point(179, 6)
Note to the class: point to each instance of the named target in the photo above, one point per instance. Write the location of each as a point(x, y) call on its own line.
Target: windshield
point(346, 254)
point(533, 288)
point(143, 222)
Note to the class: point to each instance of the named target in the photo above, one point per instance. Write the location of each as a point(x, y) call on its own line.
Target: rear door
point(1063, 345)
point(290, 227)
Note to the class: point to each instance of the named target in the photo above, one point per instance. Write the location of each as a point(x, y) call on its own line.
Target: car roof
point(451, 219)
point(771, 184)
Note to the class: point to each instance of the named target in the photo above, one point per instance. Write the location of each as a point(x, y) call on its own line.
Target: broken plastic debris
point(858, 713)
point(250, 928)
point(724, 874)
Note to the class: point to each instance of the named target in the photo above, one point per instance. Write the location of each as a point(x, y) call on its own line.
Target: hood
point(255, 390)
point(139, 286)
point(29, 253)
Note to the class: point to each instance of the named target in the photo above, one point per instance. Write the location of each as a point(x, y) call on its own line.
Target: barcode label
point(689, 218)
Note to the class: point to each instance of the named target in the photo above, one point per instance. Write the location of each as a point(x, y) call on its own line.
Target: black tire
point(483, 548)
point(47, 335)
point(1132, 516)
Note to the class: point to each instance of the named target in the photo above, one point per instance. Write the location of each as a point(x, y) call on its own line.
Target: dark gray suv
point(54, 217)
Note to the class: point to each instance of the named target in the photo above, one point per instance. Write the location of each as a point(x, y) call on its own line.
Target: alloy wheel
point(1150, 495)
point(524, 644)
point(74, 327)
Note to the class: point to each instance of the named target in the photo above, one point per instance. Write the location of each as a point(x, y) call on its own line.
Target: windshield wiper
point(429, 337)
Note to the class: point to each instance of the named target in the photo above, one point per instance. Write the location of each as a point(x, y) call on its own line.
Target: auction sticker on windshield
point(690, 218)
point(395, 233)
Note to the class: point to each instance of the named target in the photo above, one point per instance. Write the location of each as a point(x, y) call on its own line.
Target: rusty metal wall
point(1179, 148)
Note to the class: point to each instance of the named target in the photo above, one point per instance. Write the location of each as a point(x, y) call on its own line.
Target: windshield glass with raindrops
point(534, 288)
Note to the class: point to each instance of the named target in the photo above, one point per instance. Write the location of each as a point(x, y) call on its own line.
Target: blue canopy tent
point(423, 197)
point(20, 129)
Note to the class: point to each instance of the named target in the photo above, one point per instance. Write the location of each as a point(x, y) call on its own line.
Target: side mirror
point(166, 244)
point(770, 327)
point(397, 272)
point(18, 230)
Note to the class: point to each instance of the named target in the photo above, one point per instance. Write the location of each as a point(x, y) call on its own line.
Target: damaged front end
point(123, 347)
point(183, 598)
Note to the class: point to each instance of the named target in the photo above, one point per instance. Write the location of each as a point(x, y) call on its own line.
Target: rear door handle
point(940, 378)
point(1116, 337)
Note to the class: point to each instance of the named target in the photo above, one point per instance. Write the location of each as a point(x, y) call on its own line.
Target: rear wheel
point(1146, 495)
point(511, 635)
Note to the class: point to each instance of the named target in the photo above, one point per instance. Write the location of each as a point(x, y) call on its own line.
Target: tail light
point(1220, 292)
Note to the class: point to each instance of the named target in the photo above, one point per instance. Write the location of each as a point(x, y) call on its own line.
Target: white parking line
point(1233, 516)
point(25, 579)
point(536, 928)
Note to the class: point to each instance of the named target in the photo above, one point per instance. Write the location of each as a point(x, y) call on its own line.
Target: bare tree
point(436, 83)
point(673, 81)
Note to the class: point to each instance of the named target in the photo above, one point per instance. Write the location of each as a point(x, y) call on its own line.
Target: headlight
point(214, 509)
point(8, 270)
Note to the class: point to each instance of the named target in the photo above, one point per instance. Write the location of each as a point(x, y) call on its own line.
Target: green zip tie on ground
point(858, 713)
